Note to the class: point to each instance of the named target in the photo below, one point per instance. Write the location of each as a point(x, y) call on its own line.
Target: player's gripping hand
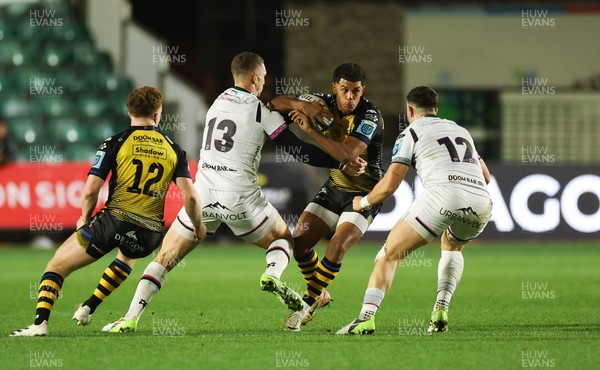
point(301, 119)
point(81, 222)
point(316, 111)
point(355, 167)
point(200, 234)
point(356, 203)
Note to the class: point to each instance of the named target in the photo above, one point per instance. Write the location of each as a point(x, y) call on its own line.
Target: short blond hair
point(245, 63)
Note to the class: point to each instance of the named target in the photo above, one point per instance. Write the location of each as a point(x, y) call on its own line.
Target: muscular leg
point(345, 236)
point(450, 270)
point(401, 241)
point(69, 257)
point(279, 243)
point(309, 230)
point(174, 248)
point(114, 275)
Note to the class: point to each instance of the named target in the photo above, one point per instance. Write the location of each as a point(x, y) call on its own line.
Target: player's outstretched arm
point(342, 152)
point(315, 156)
point(89, 198)
point(314, 110)
point(353, 167)
point(191, 202)
point(384, 188)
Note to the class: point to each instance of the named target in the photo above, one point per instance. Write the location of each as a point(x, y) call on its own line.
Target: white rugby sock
point(450, 270)
point(371, 303)
point(278, 257)
point(150, 283)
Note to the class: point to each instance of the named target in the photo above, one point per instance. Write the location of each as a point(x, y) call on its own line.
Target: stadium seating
point(27, 131)
point(56, 86)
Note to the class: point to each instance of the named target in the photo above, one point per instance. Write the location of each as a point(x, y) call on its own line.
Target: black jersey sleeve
point(183, 168)
point(105, 158)
point(367, 123)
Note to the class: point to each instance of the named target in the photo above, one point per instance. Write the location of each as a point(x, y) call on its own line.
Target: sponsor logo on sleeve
point(367, 128)
point(99, 158)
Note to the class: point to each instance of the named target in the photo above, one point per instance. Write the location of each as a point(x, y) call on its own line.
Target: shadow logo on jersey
point(149, 151)
point(216, 205)
point(468, 211)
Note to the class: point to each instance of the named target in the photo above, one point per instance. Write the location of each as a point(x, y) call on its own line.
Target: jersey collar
point(241, 89)
point(153, 128)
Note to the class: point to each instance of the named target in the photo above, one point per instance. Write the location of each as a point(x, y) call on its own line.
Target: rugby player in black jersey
point(142, 163)
point(357, 130)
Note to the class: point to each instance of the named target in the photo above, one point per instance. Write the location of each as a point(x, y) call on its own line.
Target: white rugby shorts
point(248, 214)
point(464, 213)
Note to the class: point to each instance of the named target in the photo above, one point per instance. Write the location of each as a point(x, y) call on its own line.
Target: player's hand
point(80, 223)
point(301, 119)
point(355, 167)
point(316, 111)
point(200, 233)
point(356, 203)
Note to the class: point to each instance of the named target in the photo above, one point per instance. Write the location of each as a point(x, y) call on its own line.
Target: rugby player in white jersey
point(237, 126)
point(454, 204)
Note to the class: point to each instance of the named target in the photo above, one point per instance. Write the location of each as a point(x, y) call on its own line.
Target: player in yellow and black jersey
point(356, 131)
point(365, 124)
point(142, 163)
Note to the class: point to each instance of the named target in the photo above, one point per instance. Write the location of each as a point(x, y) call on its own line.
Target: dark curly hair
point(350, 72)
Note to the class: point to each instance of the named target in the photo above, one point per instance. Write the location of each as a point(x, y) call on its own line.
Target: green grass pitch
point(518, 306)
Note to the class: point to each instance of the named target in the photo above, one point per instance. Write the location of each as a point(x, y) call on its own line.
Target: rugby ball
point(320, 126)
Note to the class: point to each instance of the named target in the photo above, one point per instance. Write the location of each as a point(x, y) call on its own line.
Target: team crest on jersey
point(99, 158)
point(367, 128)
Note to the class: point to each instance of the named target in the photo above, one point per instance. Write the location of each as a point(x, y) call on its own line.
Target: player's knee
point(338, 249)
point(58, 268)
point(390, 253)
point(449, 242)
point(382, 253)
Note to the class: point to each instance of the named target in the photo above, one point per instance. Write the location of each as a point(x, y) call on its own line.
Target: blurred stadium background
point(524, 79)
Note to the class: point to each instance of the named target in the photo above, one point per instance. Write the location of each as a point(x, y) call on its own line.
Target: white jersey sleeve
point(442, 152)
point(272, 122)
point(237, 125)
point(404, 147)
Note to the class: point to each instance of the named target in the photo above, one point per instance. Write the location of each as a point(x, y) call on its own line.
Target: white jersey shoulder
point(237, 125)
point(441, 151)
